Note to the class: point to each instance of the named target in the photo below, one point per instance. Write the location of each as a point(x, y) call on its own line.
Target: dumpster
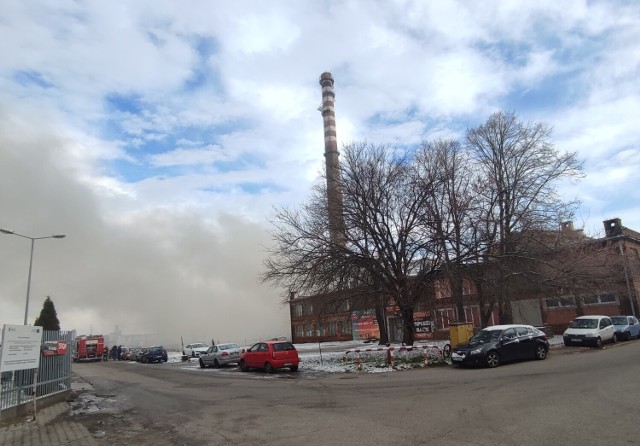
point(460, 332)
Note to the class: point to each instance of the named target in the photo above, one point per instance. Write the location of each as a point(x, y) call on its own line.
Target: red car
point(270, 355)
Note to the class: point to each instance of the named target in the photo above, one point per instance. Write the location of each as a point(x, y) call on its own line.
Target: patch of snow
point(340, 357)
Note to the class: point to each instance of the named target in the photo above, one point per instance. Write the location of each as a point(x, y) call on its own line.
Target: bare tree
point(446, 170)
point(520, 169)
point(388, 251)
point(569, 265)
point(476, 212)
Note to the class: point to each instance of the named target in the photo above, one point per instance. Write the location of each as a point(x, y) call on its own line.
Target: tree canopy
point(48, 318)
point(408, 212)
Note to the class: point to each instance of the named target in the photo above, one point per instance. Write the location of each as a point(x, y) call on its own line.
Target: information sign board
point(20, 347)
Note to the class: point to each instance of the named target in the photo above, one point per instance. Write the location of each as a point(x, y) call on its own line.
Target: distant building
point(133, 340)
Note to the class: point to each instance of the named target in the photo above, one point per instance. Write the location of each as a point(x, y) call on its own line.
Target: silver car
point(221, 354)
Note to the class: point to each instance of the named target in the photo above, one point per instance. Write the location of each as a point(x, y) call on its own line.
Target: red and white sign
point(51, 348)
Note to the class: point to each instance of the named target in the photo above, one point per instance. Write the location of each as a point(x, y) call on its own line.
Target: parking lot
point(524, 403)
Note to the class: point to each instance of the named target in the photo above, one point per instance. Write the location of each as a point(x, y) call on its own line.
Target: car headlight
point(476, 351)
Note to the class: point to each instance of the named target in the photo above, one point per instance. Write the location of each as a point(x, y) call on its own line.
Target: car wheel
point(202, 365)
point(541, 352)
point(243, 366)
point(627, 336)
point(268, 367)
point(598, 342)
point(615, 338)
point(193, 354)
point(293, 368)
point(446, 350)
point(493, 359)
point(216, 364)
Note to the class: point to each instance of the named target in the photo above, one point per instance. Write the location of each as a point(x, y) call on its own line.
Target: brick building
point(329, 318)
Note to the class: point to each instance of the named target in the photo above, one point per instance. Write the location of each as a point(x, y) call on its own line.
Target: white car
point(590, 330)
point(194, 350)
point(221, 354)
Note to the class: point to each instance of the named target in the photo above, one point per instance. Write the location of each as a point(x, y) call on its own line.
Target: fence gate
point(54, 372)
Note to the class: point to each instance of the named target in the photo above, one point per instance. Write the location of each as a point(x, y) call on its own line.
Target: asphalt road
point(574, 397)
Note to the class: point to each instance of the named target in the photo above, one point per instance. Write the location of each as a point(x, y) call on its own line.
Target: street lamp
point(33, 240)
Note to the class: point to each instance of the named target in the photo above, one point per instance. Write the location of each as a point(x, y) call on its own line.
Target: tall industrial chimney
point(334, 195)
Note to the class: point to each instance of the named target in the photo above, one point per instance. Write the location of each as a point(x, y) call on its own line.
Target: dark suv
point(154, 354)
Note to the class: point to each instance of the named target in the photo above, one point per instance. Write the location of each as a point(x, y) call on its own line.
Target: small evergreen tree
point(48, 318)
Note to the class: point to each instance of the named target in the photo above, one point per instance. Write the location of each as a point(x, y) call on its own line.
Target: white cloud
point(237, 85)
point(181, 157)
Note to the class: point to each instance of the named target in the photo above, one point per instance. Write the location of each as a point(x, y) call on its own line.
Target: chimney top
point(326, 79)
point(613, 227)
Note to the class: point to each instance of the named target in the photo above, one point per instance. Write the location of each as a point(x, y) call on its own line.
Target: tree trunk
point(382, 323)
point(458, 298)
point(579, 307)
point(485, 314)
point(504, 312)
point(408, 332)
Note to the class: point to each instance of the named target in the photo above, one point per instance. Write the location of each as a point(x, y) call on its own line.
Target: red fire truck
point(88, 348)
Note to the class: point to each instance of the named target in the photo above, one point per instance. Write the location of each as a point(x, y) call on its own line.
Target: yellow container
point(460, 332)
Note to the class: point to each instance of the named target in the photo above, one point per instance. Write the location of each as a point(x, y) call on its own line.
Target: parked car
point(137, 352)
point(590, 330)
point(195, 349)
point(220, 354)
point(626, 327)
point(154, 354)
point(270, 355)
point(125, 354)
point(494, 345)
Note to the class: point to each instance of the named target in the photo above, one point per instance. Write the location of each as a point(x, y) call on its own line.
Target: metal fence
point(54, 375)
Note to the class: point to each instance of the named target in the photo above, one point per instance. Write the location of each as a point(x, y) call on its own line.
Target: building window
point(308, 309)
point(468, 287)
point(345, 328)
point(443, 317)
point(560, 302)
point(472, 314)
point(340, 306)
point(597, 299)
point(298, 331)
point(297, 310)
point(309, 331)
point(332, 329)
point(442, 288)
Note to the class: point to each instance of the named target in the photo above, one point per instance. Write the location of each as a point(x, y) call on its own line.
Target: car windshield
point(228, 346)
point(156, 349)
point(282, 346)
point(584, 323)
point(486, 336)
point(619, 320)
point(197, 345)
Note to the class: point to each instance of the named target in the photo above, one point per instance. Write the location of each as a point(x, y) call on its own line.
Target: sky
point(159, 136)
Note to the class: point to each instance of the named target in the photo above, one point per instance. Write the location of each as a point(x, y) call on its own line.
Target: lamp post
point(33, 240)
